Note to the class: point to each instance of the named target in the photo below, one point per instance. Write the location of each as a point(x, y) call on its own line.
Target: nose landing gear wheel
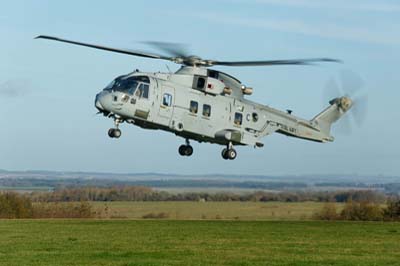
point(185, 150)
point(114, 133)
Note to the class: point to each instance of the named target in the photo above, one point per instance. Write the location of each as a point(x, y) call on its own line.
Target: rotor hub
point(345, 103)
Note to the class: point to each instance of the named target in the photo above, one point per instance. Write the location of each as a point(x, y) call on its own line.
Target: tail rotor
point(350, 95)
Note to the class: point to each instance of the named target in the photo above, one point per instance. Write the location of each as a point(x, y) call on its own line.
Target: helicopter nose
point(97, 103)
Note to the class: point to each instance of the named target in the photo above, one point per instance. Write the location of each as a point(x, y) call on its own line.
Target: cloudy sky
point(47, 89)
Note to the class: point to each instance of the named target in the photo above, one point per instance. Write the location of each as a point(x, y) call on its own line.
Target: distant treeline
point(135, 193)
point(361, 211)
point(161, 183)
point(75, 203)
point(393, 188)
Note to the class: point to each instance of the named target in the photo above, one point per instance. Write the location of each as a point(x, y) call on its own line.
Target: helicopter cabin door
point(142, 101)
point(167, 101)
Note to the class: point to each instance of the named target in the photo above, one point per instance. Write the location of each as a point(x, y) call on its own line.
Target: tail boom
point(338, 107)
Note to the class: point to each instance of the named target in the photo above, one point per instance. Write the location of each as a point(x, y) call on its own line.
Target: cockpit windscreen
point(128, 84)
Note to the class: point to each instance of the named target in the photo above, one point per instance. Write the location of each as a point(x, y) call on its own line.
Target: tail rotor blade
point(343, 127)
point(359, 110)
point(331, 90)
point(351, 83)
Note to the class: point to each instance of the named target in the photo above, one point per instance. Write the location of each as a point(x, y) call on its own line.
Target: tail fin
point(338, 107)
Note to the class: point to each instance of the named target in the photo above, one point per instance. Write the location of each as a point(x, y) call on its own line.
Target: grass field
point(212, 210)
point(170, 242)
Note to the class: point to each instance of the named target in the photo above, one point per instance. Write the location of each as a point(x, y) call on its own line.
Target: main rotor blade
point(273, 62)
point(174, 49)
point(121, 51)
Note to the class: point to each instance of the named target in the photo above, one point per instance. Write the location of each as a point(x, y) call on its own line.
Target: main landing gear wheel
point(114, 133)
point(229, 153)
point(185, 150)
point(224, 153)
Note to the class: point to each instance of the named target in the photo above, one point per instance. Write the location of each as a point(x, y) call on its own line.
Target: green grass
point(171, 242)
point(212, 210)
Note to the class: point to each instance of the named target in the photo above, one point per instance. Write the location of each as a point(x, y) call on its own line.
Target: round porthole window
point(255, 117)
point(248, 117)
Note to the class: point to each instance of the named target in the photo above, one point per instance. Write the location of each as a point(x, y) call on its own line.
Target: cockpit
point(132, 85)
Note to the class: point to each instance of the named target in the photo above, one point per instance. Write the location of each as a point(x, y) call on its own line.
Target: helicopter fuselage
point(194, 105)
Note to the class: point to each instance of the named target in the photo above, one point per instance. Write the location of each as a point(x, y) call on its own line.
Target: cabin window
point(238, 119)
point(206, 110)
point(194, 106)
point(167, 99)
point(143, 91)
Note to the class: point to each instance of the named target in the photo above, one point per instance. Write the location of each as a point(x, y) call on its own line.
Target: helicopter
point(203, 104)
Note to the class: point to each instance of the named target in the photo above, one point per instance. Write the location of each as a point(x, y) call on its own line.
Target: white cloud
point(383, 35)
point(374, 6)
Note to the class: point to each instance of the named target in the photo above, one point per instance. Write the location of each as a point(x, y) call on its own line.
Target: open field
point(169, 242)
point(187, 210)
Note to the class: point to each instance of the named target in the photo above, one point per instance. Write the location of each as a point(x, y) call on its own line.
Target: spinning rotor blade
point(174, 49)
point(179, 55)
point(331, 91)
point(273, 62)
point(352, 83)
point(351, 86)
point(360, 106)
point(121, 51)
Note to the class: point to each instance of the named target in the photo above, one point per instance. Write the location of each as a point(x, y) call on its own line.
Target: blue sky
point(47, 89)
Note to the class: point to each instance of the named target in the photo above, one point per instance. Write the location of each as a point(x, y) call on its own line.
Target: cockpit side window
point(143, 91)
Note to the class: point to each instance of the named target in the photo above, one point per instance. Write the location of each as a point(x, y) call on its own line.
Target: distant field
point(212, 210)
point(169, 242)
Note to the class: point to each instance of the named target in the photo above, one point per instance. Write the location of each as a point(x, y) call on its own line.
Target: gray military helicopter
point(203, 104)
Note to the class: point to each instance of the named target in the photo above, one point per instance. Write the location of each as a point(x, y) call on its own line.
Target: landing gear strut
point(229, 153)
point(185, 150)
point(115, 132)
